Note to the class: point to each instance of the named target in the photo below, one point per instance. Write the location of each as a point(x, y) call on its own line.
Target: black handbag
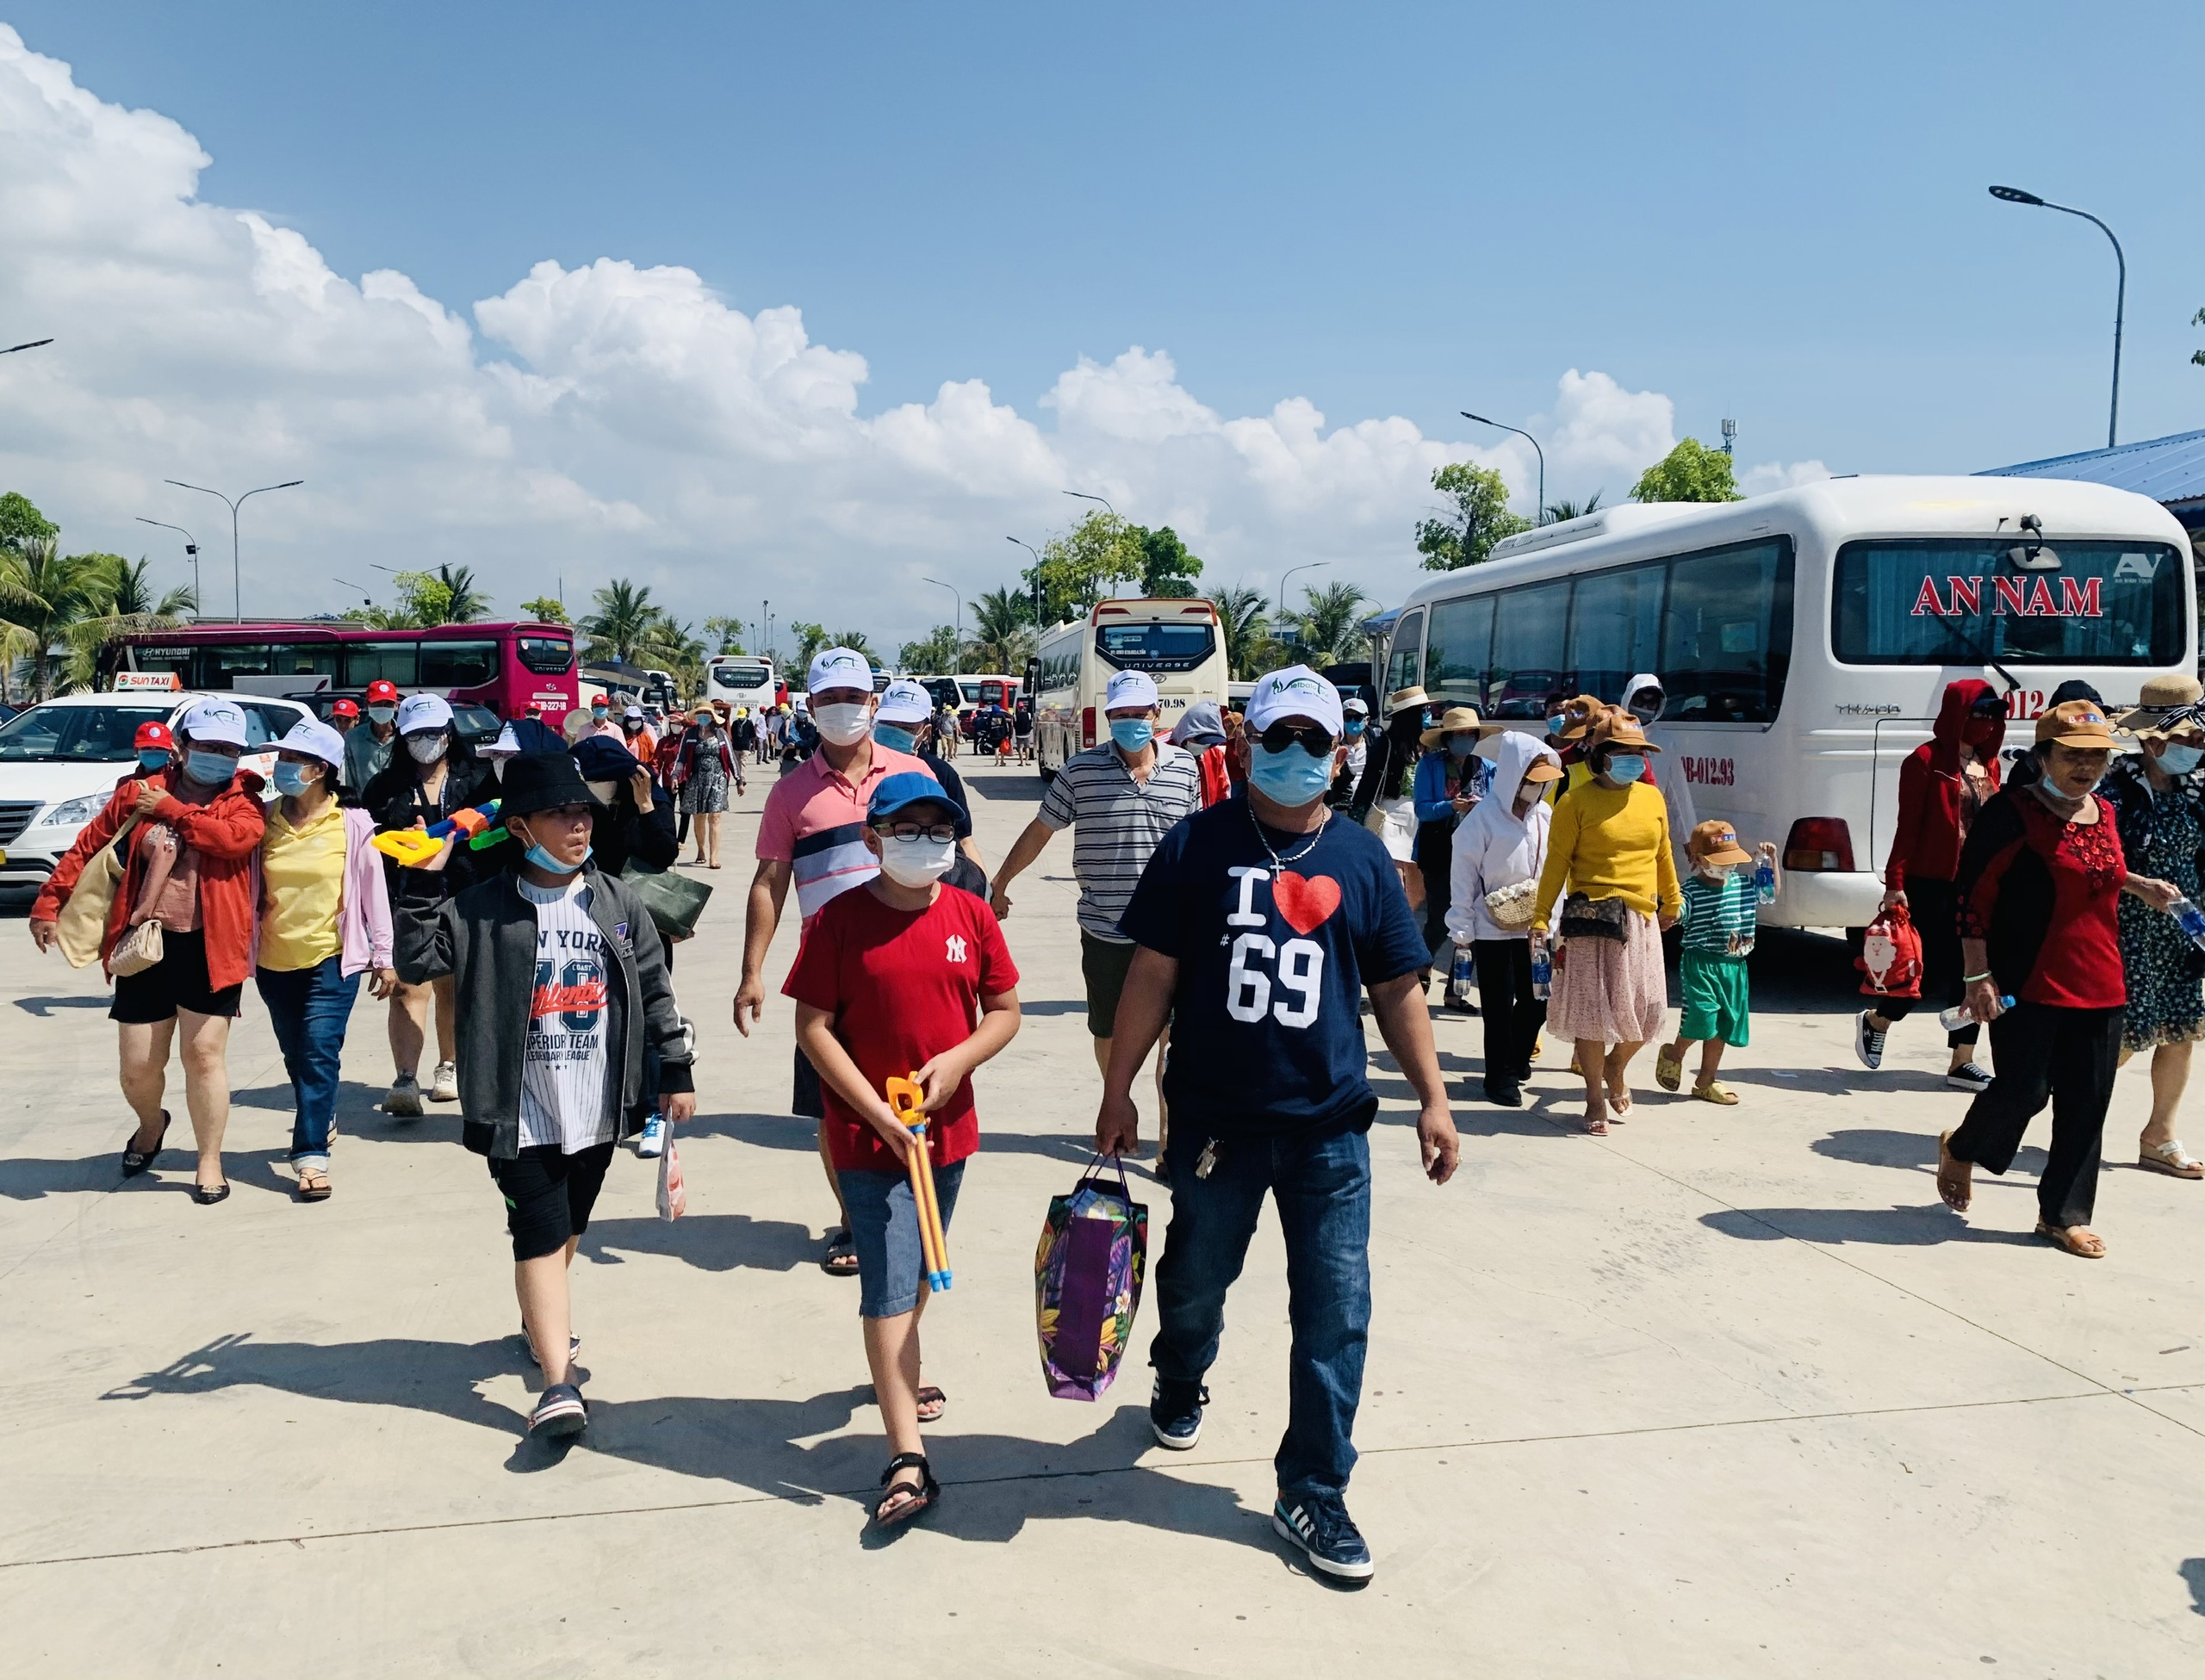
point(1584, 918)
point(673, 901)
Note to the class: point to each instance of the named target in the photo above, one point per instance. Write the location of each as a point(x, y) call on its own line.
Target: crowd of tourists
point(1250, 884)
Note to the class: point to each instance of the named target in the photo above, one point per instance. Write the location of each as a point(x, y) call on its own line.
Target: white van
point(59, 761)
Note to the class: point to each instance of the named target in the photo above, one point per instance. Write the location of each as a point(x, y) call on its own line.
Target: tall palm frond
point(1244, 622)
point(46, 595)
point(1327, 622)
point(623, 619)
point(466, 605)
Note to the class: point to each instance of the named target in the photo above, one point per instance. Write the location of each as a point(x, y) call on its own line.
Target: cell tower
point(1729, 437)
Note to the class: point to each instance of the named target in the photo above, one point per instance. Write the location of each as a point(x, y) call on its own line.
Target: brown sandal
point(313, 1187)
point(1955, 1177)
point(2062, 1236)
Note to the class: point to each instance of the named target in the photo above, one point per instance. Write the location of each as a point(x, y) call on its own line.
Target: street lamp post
point(33, 345)
point(237, 576)
point(952, 589)
point(191, 552)
point(1499, 427)
point(2016, 196)
point(1307, 565)
point(1036, 552)
point(1085, 497)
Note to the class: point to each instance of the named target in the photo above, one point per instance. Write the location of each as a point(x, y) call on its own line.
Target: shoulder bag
point(1513, 906)
point(82, 926)
point(137, 951)
point(1584, 918)
point(675, 901)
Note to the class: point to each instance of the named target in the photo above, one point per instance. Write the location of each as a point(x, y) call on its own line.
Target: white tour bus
point(1176, 642)
point(1805, 639)
point(741, 680)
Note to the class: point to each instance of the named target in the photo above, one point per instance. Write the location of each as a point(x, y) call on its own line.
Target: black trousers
point(680, 825)
point(1435, 856)
point(2067, 1057)
point(1512, 1016)
point(1935, 908)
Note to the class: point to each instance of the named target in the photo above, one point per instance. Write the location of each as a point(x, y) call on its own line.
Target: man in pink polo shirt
point(812, 833)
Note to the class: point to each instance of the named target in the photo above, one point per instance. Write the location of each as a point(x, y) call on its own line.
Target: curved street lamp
point(2016, 196)
point(1036, 552)
point(33, 345)
point(1499, 426)
point(237, 584)
point(190, 551)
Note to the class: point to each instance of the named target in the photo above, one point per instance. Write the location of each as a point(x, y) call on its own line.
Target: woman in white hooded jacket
point(1503, 842)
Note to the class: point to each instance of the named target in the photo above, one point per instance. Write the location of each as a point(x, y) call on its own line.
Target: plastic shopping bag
point(1891, 956)
point(672, 1199)
point(1087, 1277)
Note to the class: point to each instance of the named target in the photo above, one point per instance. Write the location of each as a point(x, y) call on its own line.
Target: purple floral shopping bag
point(1087, 1276)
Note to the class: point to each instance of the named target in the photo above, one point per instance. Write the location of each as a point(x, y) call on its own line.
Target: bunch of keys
point(1206, 1160)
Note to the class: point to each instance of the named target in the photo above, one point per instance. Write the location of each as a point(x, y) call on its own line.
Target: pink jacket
point(364, 918)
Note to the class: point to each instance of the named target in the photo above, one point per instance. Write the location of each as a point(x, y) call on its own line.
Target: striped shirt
point(563, 1088)
point(1720, 916)
point(1118, 824)
point(814, 821)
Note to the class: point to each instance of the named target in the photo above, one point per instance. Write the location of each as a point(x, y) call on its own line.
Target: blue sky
point(1386, 210)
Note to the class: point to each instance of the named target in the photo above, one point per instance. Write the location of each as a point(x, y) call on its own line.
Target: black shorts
point(1102, 965)
point(806, 1099)
point(178, 981)
point(549, 1195)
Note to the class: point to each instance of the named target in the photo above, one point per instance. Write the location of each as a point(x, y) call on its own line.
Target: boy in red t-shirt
point(890, 981)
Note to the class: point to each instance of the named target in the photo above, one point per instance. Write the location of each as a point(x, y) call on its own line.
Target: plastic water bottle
point(1955, 1018)
point(2192, 920)
point(1542, 968)
point(1765, 880)
point(1464, 971)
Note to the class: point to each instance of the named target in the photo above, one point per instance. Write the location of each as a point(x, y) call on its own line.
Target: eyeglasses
point(1312, 738)
point(911, 832)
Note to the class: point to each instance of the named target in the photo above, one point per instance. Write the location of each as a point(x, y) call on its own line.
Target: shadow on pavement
point(750, 1443)
point(1901, 1227)
point(43, 1007)
point(2193, 1575)
point(357, 1116)
point(1869, 1147)
point(27, 1179)
point(793, 1131)
point(710, 1241)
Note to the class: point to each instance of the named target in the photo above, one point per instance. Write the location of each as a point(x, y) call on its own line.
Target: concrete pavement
point(1724, 1393)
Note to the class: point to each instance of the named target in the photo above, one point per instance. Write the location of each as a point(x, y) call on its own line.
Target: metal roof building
point(2170, 470)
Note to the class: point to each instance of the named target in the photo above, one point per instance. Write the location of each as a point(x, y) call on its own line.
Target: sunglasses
point(1312, 739)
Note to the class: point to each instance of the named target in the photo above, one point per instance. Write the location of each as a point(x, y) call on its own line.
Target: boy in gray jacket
point(561, 983)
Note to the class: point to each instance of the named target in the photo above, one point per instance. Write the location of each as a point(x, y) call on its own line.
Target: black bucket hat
point(540, 782)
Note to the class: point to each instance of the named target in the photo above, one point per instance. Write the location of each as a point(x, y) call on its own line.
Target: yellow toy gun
point(908, 1099)
point(416, 848)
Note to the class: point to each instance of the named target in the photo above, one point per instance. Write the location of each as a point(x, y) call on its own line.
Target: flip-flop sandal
point(1715, 1091)
point(1596, 1128)
point(904, 1501)
point(1618, 1103)
point(932, 1396)
point(135, 1161)
point(2168, 1157)
point(1668, 1068)
point(1948, 1186)
point(2062, 1236)
point(840, 1260)
point(313, 1187)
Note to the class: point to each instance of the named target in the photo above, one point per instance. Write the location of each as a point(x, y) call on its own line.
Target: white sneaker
point(404, 1102)
point(650, 1143)
point(443, 1084)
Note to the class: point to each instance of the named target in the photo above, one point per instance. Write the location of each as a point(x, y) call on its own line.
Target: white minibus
point(1175, 641)
point(1804, 638)
point(741, 680)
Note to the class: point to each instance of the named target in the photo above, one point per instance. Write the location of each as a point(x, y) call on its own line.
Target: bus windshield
point(1961, 601)
point(739, 676)
point(1156, 647)
point(77, 734)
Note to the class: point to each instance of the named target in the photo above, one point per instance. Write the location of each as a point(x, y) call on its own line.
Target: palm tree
point(1327, 623)
point(1245, 623)
point(1566, 508)
point(130, 608)
point(134, 596)
point(855, 641)
point(44, 596)
point(465, 603)
point(810, 639)
point(622, 621)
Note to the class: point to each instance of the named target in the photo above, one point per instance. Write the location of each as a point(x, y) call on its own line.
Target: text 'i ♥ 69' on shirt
point(1275, 936)
point(563, 1086)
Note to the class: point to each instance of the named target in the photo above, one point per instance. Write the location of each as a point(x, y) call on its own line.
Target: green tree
point(131, 606)
point(546, 609)
point(1244, 623)
point(622, 621)
point(1690, 473)
point(810, 639)
point(1566, 508)
point(1078, 567)
point(1479, 518)
point(1168, 569)
point(1003, 634)
point(463, 602)
point(46, 598)
point(936, 656)
point(856, 642)
point(1327, 624)
point(22, 522)
point(725, 634)
point(133, 595)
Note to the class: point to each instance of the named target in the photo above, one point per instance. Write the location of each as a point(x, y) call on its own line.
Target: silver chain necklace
point(1264, 839)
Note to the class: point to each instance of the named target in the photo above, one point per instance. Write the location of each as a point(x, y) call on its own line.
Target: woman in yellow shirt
point(325, 918)
point(1610, 843)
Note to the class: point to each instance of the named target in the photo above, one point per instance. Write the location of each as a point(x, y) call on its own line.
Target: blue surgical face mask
point(210, 770)
point(544, 860)
point(1354, 726)
point(292, 778)
point(1292, 777)
point(154, 759)
point(1556, 724)
point(601, 712)
point(895, 739)
point(1462, 746)
point(1132, 733)
point(2180, 761)
point(1626, 767)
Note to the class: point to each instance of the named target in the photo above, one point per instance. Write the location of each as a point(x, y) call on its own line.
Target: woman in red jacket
point(1941, 786)
point(204, 900)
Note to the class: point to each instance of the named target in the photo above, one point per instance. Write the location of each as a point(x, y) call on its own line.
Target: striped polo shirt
point(1117, 823)
point(1720, 916)
point(814, 821)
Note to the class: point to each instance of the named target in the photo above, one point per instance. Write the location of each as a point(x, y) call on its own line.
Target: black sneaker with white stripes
point(560, 1410)
point(1867, 1043)
point(1175, 1412)
point(1969, 1077)
point(1320, 1525)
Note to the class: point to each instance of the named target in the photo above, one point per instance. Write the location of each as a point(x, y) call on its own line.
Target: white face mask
point(425, 749)
point(841, 725)
point(917, 862)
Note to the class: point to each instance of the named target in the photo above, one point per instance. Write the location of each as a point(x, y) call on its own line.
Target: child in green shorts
point(1719, 925)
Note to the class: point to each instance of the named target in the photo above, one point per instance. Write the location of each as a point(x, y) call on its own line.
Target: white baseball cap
point(839, 667)
point(633, 711)
point(905, 702)
point(215, 720)
point(506, 746)
point(1129, 688)
point(424, 711)
point(1296, 692)
point(317, 741)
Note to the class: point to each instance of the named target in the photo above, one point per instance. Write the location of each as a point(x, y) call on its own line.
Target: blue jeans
point(310, 1010)
point(884, 1231)
point(1322, 1185)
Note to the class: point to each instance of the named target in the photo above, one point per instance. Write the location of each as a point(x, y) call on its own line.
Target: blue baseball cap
point(907, 787)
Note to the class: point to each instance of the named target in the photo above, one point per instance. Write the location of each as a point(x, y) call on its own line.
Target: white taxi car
point(59, 762)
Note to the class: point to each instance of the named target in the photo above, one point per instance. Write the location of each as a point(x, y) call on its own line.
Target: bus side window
point(1405, 664)
point(1615, 628)
point(1455, 652)
point(1530, 638)
point(1726, 635)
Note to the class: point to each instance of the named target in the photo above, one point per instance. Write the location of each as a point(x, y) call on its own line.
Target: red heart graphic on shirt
point(1305, 900)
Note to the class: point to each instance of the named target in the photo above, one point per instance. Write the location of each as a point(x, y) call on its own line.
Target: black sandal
point(887, 1514)
point(135, 1161)
point(207, 1198)
point(840, 1260)
point(931, 1396)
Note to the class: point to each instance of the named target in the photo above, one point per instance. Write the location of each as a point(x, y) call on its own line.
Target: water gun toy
point(416, 848)
point(908, 1099)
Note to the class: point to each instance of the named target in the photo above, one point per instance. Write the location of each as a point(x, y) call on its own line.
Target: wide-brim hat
point(540, 782)
point(1402, 698)
point(1455, 720)
point(2165, 703)
point(1618, 727)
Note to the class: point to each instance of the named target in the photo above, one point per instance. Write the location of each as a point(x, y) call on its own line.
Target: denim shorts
point(884, 1230)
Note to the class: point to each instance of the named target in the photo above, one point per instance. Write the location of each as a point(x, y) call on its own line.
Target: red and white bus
point(505, 667)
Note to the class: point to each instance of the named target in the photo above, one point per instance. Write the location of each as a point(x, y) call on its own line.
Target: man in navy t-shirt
point(1257, 924)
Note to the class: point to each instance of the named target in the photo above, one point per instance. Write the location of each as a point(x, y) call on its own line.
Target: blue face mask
point(292, 778)
point(1556, 724)
point(1462, 746)
point(896, 739)
point(210, 770)
point(2181, 761)
point(1292, 777)
point(154, 759)
point(1626, 767)
point(545, 861)
point(1132, 733)
point(1355, 726)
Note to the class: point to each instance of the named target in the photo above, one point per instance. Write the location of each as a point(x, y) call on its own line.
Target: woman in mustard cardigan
point(1610, 842)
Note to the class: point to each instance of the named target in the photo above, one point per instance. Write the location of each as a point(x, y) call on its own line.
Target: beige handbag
point(1513, 907)
point(137, 951)
point(82, 924)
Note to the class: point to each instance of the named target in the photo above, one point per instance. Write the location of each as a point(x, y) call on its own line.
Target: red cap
point(343, 708)
point(154, 734)
point(383, 693)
